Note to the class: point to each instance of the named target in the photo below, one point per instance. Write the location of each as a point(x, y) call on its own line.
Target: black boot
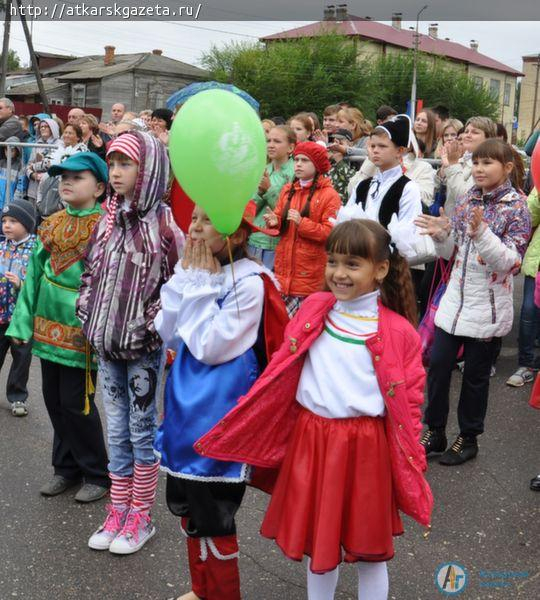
point(463, 449)
point(434, 440)
point(535, 484)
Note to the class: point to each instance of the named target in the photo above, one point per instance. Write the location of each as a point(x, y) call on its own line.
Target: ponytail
point(397, 292)
point(517, 176)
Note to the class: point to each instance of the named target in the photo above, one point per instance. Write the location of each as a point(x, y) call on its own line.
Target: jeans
point(528, 326)
point(473, 399)
point(130, 389)
point(267, 257)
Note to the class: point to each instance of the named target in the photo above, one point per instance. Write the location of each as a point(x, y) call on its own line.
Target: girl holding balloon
point(279, 172)
point(303, 215)
point(219, 311)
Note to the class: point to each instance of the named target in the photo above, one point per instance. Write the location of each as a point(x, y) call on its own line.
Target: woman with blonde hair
point(91, 136)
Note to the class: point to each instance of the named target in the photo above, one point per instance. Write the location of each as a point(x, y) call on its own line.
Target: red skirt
point(333, 499)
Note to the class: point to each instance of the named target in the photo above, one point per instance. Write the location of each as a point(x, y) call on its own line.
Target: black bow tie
point(374, 187)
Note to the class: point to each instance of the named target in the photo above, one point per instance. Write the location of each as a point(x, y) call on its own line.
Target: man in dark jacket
point(9, 124)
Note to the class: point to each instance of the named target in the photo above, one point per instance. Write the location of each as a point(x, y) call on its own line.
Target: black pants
point(210, 507)
point(78, 445)
point(472, 407)
point(16, 390)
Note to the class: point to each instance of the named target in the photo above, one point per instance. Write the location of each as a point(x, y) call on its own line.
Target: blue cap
point(83, 161)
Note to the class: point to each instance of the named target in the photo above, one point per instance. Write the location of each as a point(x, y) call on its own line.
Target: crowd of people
point(308, 314)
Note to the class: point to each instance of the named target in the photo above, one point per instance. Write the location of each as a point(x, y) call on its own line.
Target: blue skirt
point(197, 396)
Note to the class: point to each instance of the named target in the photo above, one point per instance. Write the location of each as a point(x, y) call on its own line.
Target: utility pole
point(33, 58)
point(5, 48)
point(535, 94)
point(413, 89)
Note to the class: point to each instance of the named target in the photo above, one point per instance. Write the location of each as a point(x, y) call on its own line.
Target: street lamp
point(413, 89)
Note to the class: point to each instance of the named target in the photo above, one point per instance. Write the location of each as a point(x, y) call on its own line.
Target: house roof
point(89, 68)
point(404, 38)
point(94, 67)
point(29, 89)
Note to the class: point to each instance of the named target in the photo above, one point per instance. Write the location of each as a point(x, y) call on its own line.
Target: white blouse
point(338, 378)
point(190, 310)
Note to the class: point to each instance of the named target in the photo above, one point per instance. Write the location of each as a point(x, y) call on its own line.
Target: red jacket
point(257, 430)
point(300, 254)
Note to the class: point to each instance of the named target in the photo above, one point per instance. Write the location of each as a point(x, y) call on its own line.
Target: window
point(495, 88)
point(78, 94)
point(478, 82)
point(507, 93)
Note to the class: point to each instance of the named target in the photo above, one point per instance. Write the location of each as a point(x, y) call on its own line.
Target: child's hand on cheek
point(198, 255)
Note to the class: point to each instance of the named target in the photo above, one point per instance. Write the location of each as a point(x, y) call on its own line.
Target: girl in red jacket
point(338, 410)
point(303, 214)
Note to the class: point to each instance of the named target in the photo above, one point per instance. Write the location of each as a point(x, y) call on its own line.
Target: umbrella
point(185, 93)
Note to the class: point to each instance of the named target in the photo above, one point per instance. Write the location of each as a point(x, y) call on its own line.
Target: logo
point(451, 578)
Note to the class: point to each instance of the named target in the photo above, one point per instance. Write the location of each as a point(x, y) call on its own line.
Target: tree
point(289, 77)
point(438, 82)
point(311, 73)
point(14, 61)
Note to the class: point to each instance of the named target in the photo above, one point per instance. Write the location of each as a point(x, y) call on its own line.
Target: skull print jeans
point(129, 389)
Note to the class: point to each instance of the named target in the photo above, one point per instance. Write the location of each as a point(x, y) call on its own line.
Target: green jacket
point(531, 260)
point(269, 199)
point(45, 309)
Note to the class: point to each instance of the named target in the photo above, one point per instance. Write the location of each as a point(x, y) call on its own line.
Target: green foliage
point(14, 62)
point(309, 74)
point(289, 77)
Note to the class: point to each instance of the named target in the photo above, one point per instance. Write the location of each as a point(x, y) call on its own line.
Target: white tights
point(372, 582)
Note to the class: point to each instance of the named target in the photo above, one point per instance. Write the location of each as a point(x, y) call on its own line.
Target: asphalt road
point(485, 520)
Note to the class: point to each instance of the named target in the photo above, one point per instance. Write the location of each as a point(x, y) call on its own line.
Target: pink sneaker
point(103, 537)
point(137, 530)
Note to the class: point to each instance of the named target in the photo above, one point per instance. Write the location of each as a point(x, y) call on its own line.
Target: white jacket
point(478, 301)
point(459, 181)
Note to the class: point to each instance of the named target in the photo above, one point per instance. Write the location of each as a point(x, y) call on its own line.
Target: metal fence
point(9, 146)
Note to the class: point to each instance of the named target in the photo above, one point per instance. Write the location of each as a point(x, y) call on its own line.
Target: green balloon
point(217, 148)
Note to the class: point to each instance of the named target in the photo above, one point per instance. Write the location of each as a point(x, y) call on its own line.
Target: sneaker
point(90, 492)
point(57, 485)
point(434, 440)
point(462, 450)
point(522, 376)
point(137, 530)
point(18, 409)
point(103, 537)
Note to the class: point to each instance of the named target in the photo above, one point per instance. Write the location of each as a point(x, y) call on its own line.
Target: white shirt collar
point(365, 304)
point(392, 173)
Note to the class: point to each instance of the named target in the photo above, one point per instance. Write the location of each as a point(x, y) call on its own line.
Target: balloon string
point(231, 261)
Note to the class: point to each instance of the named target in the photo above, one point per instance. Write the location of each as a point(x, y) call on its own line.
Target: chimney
point(330, 13)
point(109, 55)
point(433, 30)
point(396, 20)
point(341, 12)
point(157, 52)
point(474, 45)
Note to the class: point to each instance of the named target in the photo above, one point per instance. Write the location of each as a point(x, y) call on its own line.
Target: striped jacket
point(119, 294)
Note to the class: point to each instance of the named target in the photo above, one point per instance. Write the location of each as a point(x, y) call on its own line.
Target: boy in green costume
point(45, 311)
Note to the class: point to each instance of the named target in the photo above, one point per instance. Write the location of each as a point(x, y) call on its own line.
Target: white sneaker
point(522, 376)
point(103, 537)
point(137, 530)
